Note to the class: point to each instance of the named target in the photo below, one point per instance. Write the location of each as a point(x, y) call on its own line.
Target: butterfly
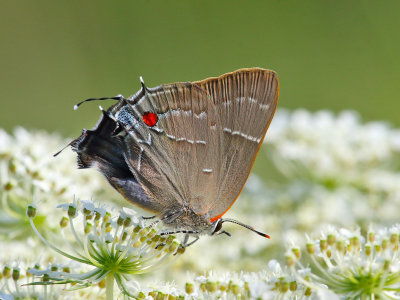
point(183, 151)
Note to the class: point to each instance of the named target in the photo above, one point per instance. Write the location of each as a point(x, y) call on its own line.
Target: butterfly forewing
point(193, 144)
point(171, 159)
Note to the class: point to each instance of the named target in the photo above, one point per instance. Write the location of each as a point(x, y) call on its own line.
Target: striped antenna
point(118, 97)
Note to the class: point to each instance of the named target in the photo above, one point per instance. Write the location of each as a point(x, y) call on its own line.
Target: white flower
point(109, 248)
point(355, 267)
point(29, 173)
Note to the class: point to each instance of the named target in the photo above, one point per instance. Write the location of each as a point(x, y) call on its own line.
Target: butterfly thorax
point(185, 219)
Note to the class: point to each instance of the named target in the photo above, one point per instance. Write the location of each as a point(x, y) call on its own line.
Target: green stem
point(109, 286)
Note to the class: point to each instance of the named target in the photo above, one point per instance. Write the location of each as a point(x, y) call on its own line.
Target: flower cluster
point(331, 149)
point(326, 169)
point(21, 282)
point(287, 206)
point(109, 248)
point(337, 169)
point(274, 282)
point(351, 265)
point(30, 173)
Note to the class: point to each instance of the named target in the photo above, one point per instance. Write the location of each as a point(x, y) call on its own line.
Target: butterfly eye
point(150, 119)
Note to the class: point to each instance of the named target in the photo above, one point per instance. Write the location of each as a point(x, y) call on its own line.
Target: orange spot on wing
point(150, 119)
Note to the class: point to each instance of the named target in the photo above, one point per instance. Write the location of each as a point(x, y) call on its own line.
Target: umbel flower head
point(110, 248)
point(331, 149)
point(17, 282)
point(274, 282)
point(29, 173)
point(351, 265)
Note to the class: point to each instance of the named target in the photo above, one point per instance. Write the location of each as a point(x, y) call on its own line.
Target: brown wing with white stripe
point(201, 141)
point(171, 158)
point(245, 101)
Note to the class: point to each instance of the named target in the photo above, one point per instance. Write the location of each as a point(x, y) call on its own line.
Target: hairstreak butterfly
point(183, 151)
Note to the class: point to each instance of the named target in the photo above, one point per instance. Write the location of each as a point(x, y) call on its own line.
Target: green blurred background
point(329, 54)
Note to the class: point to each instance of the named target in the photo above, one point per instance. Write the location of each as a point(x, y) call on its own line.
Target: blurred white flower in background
point(30, 173)
point(16, 282)
point(305, 192)
point(329, 149)
point(351, 265)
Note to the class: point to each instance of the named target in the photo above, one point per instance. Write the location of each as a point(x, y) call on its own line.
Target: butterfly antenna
point(119, 97)
point(246, 226)
point(144, 87)
point(63, 149)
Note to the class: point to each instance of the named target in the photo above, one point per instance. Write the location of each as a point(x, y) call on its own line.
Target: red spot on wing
point(212, 220)
point(150, 119)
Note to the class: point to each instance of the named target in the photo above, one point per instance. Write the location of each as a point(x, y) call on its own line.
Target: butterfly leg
point(185, 241)
point(179, 231)
point(167, 218)
point(148, 218)
point(224, 232)
point(187, 235)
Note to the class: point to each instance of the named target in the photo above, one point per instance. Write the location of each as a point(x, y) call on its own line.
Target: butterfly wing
point(201, 149)
point(171, 158)
point(245, 101)
point(102, 148)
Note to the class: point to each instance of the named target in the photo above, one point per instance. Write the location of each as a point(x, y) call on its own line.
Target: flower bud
point(368, 250)
point(310, 248)
point(7, 272)
point(290, 261)
point(64, 222)
point(31, 211)
point(371, 236)
point(385, 243)
point(88, 227)
point(127, 222)
point(211, 286)
point(323, 245)
point(107, 217)
point(331, 239)
point(203, 287)
point(144, 231)
point(120, 221)
point(394, 238)
point(293, 286)
point(189, 288)
point(72, 211)
point(8, 186)
point(296, 252)
point(152, 233)
point(173, 247)
point(46, 277)
point(181, 250)
point(102, 284)
point(170, 239)
point(283, 286)
point(235, 289)
point(15, 274)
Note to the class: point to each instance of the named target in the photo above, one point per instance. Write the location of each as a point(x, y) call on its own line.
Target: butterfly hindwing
point(246, 101)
